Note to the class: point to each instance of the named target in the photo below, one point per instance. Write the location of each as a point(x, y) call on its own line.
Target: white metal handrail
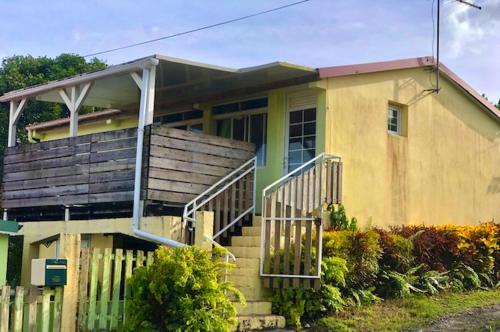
point(227, 254)
point(322, 156)
point(216, 189)
point(273, 187)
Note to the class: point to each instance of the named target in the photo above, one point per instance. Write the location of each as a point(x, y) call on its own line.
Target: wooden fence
point(183, 164)
point(292, 228)
point(103, 286)
point(35, 312)
point(98, 168)
point(86, 169)
point(101, 295)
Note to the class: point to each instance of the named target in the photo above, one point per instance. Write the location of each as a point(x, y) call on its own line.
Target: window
point(244, 121)
point(301, 137)
point(187, 120)
point(394, 120)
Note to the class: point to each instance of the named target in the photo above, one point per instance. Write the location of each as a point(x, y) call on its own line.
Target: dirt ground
point(478, 319)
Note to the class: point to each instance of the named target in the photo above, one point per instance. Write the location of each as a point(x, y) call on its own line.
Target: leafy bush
point(298, 304)
point(397, 251)
point(338, 219)
point(395, 284)
point(436, 248)
point(361, 251)
point(183, 290)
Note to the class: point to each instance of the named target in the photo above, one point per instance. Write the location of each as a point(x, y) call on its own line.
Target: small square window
point(394, 120)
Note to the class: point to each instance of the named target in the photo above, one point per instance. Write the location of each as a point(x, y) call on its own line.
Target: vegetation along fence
point(101, 295)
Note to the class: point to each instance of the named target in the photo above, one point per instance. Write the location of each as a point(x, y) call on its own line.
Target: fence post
point(4, 311)
point(204, 227)
point(18, 310)
point(45, 321)
point(70, 249)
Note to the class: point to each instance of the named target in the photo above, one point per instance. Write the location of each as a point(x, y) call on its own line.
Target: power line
point(197, 29)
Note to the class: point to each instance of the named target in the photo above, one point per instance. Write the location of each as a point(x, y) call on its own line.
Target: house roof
point(100, 115)
point(374, 67)
point(113, 87)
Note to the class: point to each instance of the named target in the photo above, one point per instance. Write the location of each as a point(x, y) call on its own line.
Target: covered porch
point(144, 96)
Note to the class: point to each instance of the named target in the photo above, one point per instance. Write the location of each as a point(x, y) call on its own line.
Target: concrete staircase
point(257, 314)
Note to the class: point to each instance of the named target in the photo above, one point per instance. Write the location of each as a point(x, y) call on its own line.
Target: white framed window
point(394, 119)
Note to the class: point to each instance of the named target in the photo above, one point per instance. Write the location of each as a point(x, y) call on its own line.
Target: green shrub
point(397, 251)
point(436, 248)
point(395, 284)
point(183, 290)
point(338, 219)
point(361, 251)
point(299, 304)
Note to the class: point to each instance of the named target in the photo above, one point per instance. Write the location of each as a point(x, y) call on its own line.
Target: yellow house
point(267, 145)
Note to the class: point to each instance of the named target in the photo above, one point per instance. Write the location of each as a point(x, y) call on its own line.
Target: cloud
point(468, 27)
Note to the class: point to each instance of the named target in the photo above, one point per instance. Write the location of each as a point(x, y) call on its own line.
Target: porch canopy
point(162, 83)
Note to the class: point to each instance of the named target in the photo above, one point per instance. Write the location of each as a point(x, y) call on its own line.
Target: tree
point(21, 71)
point(18, 72)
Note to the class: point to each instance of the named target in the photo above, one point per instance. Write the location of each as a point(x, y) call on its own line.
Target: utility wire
point(197, 29)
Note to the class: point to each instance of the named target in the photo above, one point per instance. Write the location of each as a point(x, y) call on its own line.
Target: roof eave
point(80, 79)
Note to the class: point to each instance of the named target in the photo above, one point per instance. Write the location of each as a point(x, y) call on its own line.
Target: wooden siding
point(100, 168)
point(183, 164)
point(87, 169)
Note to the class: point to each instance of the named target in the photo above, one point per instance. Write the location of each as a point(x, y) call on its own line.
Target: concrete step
point(251, 231)
point(254, 308)
point(260, 322)
point(249, 279)
point(246, 241)
point(244, 252)
point(247, 263)
point(255, 293)
point(257, 221)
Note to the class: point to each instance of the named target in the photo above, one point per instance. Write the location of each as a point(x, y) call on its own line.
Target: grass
point(413, 312)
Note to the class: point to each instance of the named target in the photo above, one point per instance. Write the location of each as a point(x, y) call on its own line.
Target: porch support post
point(74, 102)
point(147, 85)
point(15, 112)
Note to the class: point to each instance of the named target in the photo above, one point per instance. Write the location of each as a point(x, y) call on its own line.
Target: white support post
point(15, 112)
point(74, 102)
point(149, 94)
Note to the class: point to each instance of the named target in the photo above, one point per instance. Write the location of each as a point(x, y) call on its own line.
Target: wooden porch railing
point(292, 222)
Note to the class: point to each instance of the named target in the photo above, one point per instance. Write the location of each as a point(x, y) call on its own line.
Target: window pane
point(310, 142)
point(308, 155)
point(173, 118)
point(295, 143)
point(195, 114)
point(310, 128)
point(296, 130)
point(197, 128)
point(295, 157)
point(296, 117)
point(310, 115)
point(257, 136)
point(224, 128)
point(253, 104)
point(239, 129)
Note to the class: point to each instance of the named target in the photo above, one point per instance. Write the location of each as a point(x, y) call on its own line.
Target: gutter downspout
point(146, 105)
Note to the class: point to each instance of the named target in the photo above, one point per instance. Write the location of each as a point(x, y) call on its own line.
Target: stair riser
point(251, 231)
point(246, 241)
point(245, 252)
point(254, 308)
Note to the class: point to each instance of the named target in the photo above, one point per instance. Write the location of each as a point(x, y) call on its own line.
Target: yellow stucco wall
point(86, 128)
point(446, 169)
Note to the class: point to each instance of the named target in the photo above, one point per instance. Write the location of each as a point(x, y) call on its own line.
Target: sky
point(316, 33)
